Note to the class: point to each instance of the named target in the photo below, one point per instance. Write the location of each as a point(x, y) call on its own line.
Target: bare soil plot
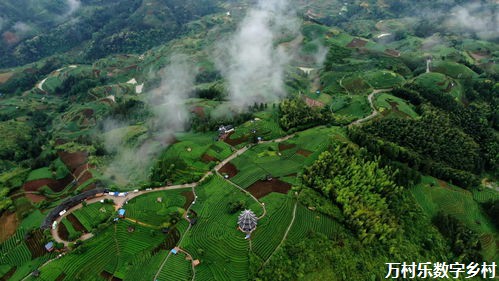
point(229, 169)
point(357, 43)
point(304, 152)
point(263, 187)
point(8, 225)
point(285, 146)
point(76, 223)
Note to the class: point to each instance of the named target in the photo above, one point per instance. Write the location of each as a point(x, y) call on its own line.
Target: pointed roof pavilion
point(247, 221)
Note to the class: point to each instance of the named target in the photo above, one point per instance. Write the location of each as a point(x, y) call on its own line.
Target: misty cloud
point(21, 28)
point(249, 60)
point(73, 5)
point(170, 115)
point(477, 18)
point(320, 55)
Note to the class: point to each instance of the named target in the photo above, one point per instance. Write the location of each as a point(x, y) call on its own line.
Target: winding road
point(371, 103)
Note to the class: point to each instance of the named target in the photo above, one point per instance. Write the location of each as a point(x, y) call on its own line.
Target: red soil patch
point(208, 158)
point(10, 37)
point(108, 276)
point(263, 187)
point(304, 152)
point(35, 198)
point(63, 232)
point(285, 146)
point(199, 111)
point(235, 142)
point(393, 53)
point(76, 223)
point(73, 159)
point(55, 185)
point(79, 171)
point(85, 177)
point(133, 66)
point(36, 184)
point(229, 169)
point(88, 112)
point(357, 43)
point(8, 225)
point(313, 103)
point(189, 197)
point(443, 184)
point(4, 77)
point(478, 55)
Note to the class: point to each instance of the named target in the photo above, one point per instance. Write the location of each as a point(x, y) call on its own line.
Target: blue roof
point(49, 245)
point(116, 193)
point(174, 251)
point(121, 212)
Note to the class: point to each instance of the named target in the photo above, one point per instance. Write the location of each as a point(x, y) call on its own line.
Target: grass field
point(356, 85)
point(351, 106)
point(264, 125)
point(41, 173)
point(94, 214)
point(454, 70)
point(147, 209)
point(267, 159)
point(434, 196)
point(394, 104)
point(440, 82)
point(383, 79)
point(187, 155)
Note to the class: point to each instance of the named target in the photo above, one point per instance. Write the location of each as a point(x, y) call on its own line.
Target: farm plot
point(14, 250)
point(114, 251)
point(387, 103)
point(383, 79)
point(94, 214)
point(264, 125)
point(307, 221)
point(188, 159)
point(268, 159)
point(177, 268)
point(214, 239)
point(440, 83)
point(132, 244)
point(271, 228)
point(434, 196)
point(485, 195)
point(352, 107)
point(153, 208)
point(355, 85)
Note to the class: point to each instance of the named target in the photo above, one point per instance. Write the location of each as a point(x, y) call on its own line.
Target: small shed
point(174, 250)
point(49, 246)
point(35, 273)
point(121, 213)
